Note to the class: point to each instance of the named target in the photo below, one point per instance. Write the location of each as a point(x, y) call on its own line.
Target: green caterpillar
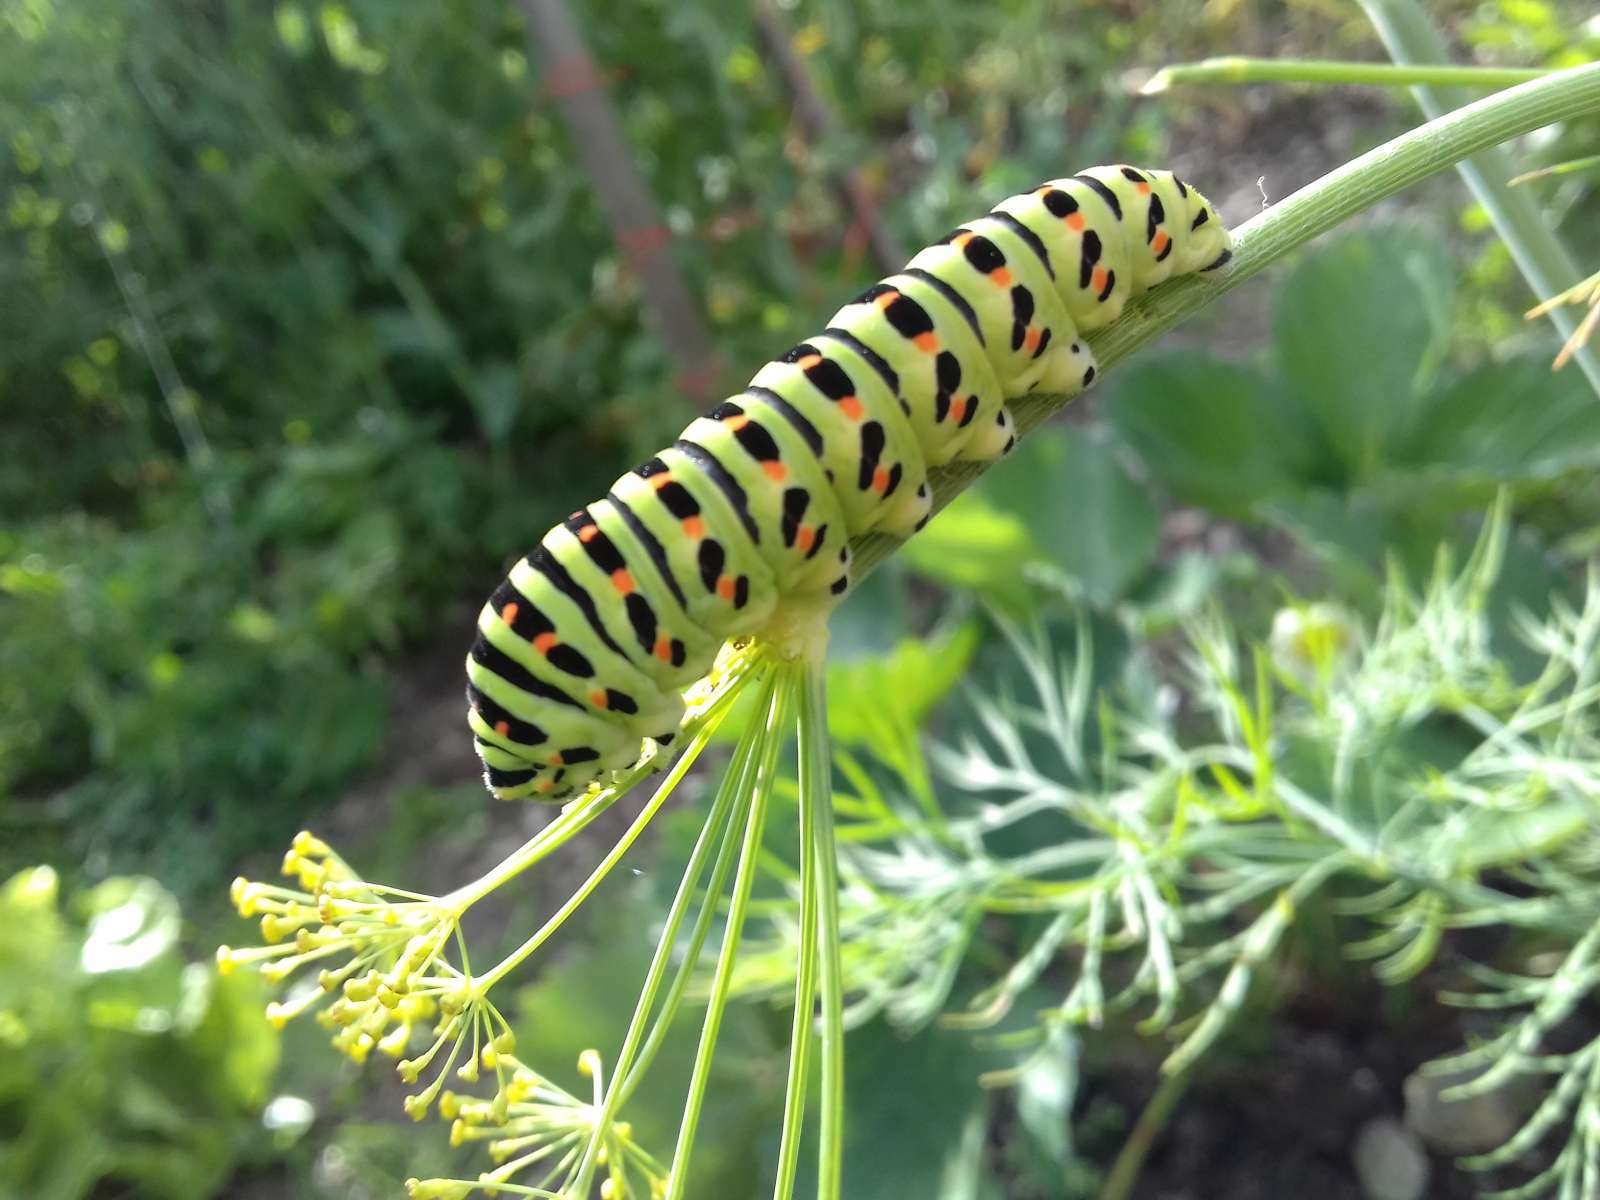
point(586, 647)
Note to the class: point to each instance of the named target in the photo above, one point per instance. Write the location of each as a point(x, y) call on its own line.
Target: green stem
point(1544, 262)
point(1571, 167)
point(1238, 69)
point(805, 992)
point(602, 869)
point(1267, 237)
point(711, 836)
point(578, 815)
point(1130, 1160)
point(773, 731)
point(816, 779)
point(723, 867)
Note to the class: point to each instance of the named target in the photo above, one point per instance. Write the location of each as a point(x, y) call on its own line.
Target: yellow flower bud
point(395, 1041)
point(225, 960)
point(437, 1189)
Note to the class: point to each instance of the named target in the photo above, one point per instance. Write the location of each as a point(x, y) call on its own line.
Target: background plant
point(327, 216)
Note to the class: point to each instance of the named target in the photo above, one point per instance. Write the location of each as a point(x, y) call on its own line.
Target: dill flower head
point(378, 952)
point(535, 1128)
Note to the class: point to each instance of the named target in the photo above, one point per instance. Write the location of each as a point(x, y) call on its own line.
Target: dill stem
point(623, 1078)
point(805, 987)
point(578, 815)
point(1269, 236)
point(816, 779)
point(1241, 69)
point(625, 843)
point(769, 742)
point(1130, 1160)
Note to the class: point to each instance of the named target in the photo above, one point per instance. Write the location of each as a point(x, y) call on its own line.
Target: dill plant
point(1183, 860)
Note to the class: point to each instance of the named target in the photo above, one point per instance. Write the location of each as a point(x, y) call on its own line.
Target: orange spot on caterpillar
point(508, 614)
point(736, 422)
point(555, 760)
point(928, 342)
point(1001, 275)
point(622, 580)
point(1031, 339)
point(851, 407)
point(725, 587)
point(545, 643)
point(588, 533)
point(958, 409)
point(776, 471)
point(805, 538)
point(545, 785)
point(1075, 221)
point(880, 480)
point(886, 299)
point(663, 649)
point(1142, 188)
point(660, 481)
point(1159, 242)
point(694, 527)
point(598, 698)
point(961, 239)
point(503, 728)
point(1098, 281)
point(809, 361)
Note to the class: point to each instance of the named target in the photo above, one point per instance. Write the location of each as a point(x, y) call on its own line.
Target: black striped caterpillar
point(585, 649)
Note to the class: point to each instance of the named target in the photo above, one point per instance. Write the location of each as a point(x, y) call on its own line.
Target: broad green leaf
point(1359, 329)
point(1084, 511)
point(907, 1100)
point(1511, 422)
point(1212, 433)
point(131, 923)
point(908, 682)
point(974, 544)
point(872, 616)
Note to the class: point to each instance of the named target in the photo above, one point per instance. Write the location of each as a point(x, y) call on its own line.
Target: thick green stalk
point(1314, 209)
point(816, 777)
point(1544, 262)
point(1238, 69)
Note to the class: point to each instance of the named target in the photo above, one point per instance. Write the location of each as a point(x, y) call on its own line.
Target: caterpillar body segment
point(584, 650)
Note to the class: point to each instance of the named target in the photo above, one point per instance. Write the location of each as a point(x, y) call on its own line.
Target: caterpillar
point(585, 648)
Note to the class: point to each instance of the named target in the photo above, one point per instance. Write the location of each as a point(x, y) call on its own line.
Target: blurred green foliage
point(310, 323)
point(124, 1067)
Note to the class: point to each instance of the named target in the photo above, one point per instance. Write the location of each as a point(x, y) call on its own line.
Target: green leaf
point(977, 546)
point(1044, 1098)
point(907, 1098)
point(907, 682)
point(1511, 422)
point(1359, 330)
point(872, 616)
point(1084, 511)
point(497, 398)
point(131, 923)
point(1210, 432)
